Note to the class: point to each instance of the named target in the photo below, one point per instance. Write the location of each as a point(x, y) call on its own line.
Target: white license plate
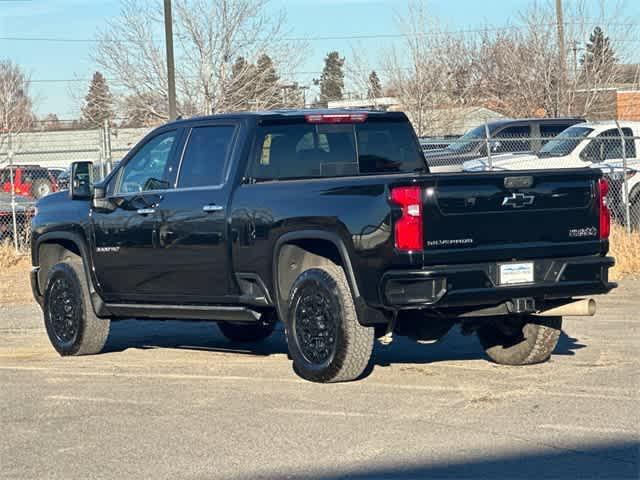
point(513, 273)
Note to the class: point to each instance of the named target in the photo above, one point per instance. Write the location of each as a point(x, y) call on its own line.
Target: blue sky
point(307, 18)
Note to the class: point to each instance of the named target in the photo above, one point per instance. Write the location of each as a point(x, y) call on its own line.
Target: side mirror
point(99, 200)
point(81, 180)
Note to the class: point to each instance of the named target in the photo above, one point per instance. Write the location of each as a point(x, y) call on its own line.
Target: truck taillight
point(605, 214)
point(408, 228)
point(335, 117)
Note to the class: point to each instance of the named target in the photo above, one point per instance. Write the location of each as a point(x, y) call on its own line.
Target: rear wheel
point(249, 332)
point(520, 340)
point(325, 339)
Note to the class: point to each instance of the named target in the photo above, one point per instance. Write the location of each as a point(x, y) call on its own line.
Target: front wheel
point(519, 340)
point(325, 339)
point(72, 325)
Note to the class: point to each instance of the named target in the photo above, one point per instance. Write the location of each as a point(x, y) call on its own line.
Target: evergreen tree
point(239, 68)
point(51, 122)
point(241, 84)
point(98, 104)
point(267, 91)
point(598, 52)
point(374, 89)
point(332, 78)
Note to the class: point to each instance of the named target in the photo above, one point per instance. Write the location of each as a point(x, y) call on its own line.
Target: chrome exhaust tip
point(585, 307)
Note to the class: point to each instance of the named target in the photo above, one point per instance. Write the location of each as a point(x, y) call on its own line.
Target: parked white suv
point(589, 144)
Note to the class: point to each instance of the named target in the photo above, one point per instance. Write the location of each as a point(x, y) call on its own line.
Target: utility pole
point(574, 48)
point(562, 57)
point(171, 69)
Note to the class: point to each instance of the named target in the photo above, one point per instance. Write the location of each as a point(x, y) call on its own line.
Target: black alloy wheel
point(326, 341)
point(316, 324)
point(64, 310)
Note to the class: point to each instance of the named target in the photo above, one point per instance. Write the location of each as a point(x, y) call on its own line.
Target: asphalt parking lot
point(176, 400)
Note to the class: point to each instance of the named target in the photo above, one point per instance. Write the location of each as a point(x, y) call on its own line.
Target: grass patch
point(625, 247)
point(14, 275)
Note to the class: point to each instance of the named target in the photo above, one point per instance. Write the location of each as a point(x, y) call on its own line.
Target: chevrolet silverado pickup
point(329, 222)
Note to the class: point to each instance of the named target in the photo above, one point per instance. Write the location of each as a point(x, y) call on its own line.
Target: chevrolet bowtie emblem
point(518, 200)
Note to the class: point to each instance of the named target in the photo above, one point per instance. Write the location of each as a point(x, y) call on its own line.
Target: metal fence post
point(101, 150)
point(625, 183)
point(107, 146)
point(487, 141)
point(13, 192)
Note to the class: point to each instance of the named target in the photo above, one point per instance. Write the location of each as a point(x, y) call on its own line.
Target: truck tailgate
point(506, 216)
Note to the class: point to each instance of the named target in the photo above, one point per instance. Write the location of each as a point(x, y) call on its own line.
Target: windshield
point(565, 142)
point(468, 141)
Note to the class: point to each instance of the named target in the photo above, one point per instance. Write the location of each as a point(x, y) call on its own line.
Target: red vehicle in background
point(30, 181)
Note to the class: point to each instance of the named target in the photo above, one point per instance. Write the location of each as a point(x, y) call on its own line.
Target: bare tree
point(361, 77)
point(15, 101)
point(211, 37)
point(518, 72)
point(430, 72)
point(513, 70)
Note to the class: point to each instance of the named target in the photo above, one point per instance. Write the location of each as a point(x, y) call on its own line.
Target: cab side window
point(205, 156)
point(608, 146)
point(149, 168)
point(548, 131)
point(514, 139)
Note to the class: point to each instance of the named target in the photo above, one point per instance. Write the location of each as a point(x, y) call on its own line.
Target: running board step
point(183, 312)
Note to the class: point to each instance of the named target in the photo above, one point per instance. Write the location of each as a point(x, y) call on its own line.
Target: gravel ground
point(176, 400)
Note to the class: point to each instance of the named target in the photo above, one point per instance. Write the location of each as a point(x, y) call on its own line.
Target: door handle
point(145, 211)
point(212, 208)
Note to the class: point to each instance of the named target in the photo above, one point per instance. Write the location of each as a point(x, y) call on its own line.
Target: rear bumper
point(471, 285)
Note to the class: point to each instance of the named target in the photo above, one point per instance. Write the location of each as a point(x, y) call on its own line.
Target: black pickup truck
point(328, 221)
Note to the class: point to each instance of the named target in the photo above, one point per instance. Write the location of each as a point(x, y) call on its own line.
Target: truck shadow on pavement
point(205, 336)
point(453, 346)
point(611, 460)
point(196, 335)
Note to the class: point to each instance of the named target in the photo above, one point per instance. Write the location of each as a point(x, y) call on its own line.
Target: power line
point(371, 36)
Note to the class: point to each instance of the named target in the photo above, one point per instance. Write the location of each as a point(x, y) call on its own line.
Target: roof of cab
point(293, 113)
point(506, 121)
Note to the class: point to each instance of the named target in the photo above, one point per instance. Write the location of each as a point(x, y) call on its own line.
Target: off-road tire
point(325, 289)
point(67, 289)
point(249, 332)
point(526, 341)
point(38, 188)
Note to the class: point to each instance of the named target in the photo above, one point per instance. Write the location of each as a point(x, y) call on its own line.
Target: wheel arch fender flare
point(64, 240)
point(295, 238)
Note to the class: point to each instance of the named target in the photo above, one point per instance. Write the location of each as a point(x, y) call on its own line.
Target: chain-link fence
point(36, 163)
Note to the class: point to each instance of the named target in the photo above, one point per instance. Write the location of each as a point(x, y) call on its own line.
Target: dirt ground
point(14, 283)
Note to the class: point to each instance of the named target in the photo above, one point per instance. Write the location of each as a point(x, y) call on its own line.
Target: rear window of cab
point(309, 150)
